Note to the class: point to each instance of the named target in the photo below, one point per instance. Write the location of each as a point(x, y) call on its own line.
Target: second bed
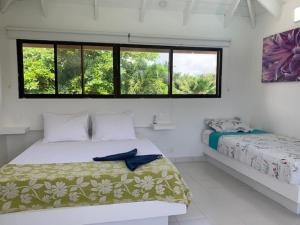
point(267, 162)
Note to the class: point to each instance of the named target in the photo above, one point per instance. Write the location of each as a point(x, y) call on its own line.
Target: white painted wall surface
point(3, 149)
point(275, 106)
point(188, 114)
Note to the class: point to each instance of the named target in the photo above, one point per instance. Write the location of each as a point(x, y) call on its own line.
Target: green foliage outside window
point(189, 84)
point(39, 77)
point(69, 69)
point(98, 71)
point(142, 73)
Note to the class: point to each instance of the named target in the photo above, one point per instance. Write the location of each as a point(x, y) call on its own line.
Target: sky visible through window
point(193, 64)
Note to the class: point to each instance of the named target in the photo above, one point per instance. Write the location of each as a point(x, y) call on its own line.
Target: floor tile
point(193, 212)
point(196, 222)
point(220, 199)
point(173, 223)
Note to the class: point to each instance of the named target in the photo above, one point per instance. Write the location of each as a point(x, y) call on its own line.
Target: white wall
point(276, 105)
point(188, 114)
point(3, 150)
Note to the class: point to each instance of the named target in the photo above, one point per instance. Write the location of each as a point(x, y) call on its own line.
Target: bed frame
point(288, 195)
point(138, 213)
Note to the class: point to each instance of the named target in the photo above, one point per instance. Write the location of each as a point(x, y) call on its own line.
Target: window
point(194, 72)
point(69, 71)
point(39, 76)
point(144, 71)
point(54, 69)
point(98, 70)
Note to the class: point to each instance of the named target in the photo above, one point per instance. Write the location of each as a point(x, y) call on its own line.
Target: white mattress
point(271, 154)
point(68, 152)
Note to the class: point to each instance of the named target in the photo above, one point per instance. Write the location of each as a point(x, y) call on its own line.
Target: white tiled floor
point(219, 199)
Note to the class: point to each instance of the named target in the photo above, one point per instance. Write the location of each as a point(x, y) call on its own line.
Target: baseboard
point(188, 159)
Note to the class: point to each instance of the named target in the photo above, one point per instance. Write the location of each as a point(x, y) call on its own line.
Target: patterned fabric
point(228, 125)
point(215, 136)
point(271, 154)
point(27, 187)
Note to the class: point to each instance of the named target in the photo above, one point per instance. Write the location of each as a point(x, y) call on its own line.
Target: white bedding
point(271, 154)
point(68, 152)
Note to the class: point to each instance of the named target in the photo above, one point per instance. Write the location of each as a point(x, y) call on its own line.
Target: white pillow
point(112, 127)
point(64, 127)
point(228, 125)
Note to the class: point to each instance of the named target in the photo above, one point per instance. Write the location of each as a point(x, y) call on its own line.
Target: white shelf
point(10, 130)
point(166, 126)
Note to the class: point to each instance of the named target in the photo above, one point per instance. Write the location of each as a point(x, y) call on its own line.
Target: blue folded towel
point(117, 157)
point(131, 159)
point(137, 161)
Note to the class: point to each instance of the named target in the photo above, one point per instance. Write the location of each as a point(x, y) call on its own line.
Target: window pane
point(194, 72)
point(144, 71)
point(39, 77)
point(69, 69)
point(98, 70)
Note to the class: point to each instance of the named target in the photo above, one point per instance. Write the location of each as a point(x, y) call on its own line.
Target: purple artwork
point(281, 57)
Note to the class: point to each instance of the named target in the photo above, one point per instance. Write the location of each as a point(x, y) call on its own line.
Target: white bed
point(136, 213)
point(274, 155)
point(243, 156)
point(85, 151)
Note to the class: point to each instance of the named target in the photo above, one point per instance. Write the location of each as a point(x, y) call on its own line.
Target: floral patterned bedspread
point(28, 187)
point(271, 154)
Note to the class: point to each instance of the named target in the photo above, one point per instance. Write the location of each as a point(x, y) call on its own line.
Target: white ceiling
point(218, 7)
point(187, 7)
point(201, 6)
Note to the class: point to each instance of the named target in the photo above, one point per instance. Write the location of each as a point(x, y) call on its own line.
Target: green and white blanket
point(43, 186)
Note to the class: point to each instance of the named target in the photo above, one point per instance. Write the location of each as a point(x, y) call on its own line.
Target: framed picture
point(281, 57)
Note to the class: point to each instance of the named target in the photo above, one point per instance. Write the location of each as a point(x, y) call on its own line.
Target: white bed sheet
point(69, 152)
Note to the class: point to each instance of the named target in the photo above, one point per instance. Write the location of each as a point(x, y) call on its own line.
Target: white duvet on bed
point(68, 152)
